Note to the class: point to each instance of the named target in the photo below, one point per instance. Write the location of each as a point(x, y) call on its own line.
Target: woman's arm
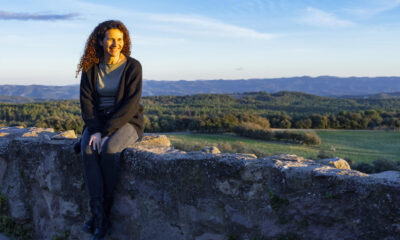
point(88, 105)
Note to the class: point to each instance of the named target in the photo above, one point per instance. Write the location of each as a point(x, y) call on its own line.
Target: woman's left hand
point(103, 140)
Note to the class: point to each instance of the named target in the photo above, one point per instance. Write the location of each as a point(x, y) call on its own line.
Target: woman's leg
point(110, 160)
point(93, 178)
point(91, 169)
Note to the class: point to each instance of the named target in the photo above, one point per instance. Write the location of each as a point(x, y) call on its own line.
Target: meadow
point(357, 146)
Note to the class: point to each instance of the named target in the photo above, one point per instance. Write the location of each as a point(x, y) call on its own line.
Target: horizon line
point(239, 79)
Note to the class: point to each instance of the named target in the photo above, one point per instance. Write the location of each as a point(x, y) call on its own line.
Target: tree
point(304, 123)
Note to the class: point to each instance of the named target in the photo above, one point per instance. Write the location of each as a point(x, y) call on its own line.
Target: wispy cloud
point(37, 17)
point(317, 17)
point(199, 25)
point(181, 26)
point(377, 7)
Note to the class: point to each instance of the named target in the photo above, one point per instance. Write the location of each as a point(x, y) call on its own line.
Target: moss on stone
point(3, 204)
point(63, 236)
point(232, 237)
point(276, 201)
point(303, 223)
point(8, 226)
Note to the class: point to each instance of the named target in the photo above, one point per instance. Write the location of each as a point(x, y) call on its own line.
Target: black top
point(126, 108)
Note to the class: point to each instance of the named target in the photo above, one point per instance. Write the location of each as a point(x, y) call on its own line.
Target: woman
point(110, 91)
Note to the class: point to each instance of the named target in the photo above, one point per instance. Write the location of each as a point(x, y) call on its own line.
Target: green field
point(358, 146)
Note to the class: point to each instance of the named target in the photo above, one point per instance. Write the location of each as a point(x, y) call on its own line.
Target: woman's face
point(112, 43)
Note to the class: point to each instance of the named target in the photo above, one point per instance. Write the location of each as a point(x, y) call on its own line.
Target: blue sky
point(42, 40)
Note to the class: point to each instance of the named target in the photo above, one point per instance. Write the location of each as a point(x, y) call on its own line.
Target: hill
point(357, 87)
point(321, 86)
point(375, 96)
point(16, 99)
point(41, 91)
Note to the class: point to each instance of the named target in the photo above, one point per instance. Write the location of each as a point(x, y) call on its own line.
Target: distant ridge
point(358, 87)
point(321, 86)
point(41, 91)
point(16, 99)
point(375, 96)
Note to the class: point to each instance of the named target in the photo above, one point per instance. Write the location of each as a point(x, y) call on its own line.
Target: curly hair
point(93, 52)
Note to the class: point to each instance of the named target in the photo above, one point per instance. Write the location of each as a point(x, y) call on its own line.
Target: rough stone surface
point(168, 194)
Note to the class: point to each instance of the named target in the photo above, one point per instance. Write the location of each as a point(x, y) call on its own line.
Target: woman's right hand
point(95, 141)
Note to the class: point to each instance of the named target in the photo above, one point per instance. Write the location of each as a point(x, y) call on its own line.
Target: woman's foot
point(101, 224)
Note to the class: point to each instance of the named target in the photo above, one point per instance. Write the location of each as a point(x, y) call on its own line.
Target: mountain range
point(351, 87)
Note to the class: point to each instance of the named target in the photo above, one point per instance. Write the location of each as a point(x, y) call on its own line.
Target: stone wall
point(166, 194)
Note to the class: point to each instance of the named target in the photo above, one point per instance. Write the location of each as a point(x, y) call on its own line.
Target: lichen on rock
point(65, 134)
point(336, 162)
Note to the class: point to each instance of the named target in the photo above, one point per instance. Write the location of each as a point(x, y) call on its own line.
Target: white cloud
point(181, 25)
point(160, 41)
point(375, 8)
point(5, 15)
point(166, 25)
point(203, 26)
point(317, 17)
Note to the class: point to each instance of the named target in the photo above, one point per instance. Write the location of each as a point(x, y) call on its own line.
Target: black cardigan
point(126, 107)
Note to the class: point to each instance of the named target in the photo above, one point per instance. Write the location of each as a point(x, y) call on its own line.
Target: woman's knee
point(121, 139)
point(109, 147)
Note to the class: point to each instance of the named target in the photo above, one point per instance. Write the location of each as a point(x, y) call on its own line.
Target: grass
point(362, 146)
point(358, 146)
point(232, 143)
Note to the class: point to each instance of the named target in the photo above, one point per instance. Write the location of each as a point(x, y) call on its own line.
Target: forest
point(216, 113)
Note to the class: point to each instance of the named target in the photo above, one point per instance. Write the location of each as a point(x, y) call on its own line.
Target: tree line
point(224, 112)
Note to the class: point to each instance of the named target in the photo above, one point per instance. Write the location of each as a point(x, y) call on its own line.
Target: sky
point(42, 41)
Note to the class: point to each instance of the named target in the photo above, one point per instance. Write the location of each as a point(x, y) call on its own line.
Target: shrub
point(325, 154)
point(224, 147)
point(253, 130)
point(310, 138)
point(383, 164)
point(363, 167)
point(187, 147)
point(251, 126)
point(379, 165)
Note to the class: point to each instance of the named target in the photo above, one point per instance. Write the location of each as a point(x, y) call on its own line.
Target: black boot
point(101, 222)
point(88, 226)
point(108, 203)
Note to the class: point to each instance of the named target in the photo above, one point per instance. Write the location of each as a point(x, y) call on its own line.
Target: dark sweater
point(126, 108)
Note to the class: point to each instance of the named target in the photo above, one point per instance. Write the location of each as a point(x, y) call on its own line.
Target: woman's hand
point(95, 141)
